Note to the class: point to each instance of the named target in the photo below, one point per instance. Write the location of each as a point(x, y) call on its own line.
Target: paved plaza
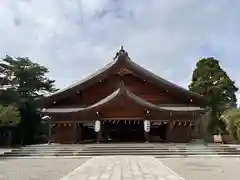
point(205, 168)
point(120, 168)
point(37, 169)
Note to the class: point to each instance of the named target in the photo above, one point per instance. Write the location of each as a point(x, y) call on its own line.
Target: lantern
point(147, 125)
point(97, 126)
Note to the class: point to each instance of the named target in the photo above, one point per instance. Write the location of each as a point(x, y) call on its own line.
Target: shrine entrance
point(159, 131)
point(123, 131)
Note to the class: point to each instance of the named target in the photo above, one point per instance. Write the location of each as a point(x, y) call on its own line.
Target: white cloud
point(78, 36)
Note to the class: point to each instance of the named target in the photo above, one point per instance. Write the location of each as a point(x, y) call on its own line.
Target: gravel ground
point(38, 169)
point(207, 168)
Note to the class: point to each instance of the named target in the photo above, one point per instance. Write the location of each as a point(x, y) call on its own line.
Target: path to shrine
point(123, 168)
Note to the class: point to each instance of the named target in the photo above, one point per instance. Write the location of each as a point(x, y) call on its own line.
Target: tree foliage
point(25, 82)
point(9, 119)
point(9, 115)
point(210, 80)
point(231, 117)
point(26, 77)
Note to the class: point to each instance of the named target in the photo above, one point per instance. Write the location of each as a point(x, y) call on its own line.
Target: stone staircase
point(154, 149)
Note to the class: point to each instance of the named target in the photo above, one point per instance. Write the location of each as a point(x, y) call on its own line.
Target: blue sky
point(73, 38)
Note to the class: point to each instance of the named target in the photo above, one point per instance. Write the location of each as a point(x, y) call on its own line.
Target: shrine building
point(122, 102)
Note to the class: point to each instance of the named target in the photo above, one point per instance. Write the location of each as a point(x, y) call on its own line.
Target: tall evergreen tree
point(9, 119)
point(210, 80)
point(26, 81)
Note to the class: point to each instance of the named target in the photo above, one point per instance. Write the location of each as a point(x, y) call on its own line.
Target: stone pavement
point(201, 168)
point(123, 168)
point(38, 168)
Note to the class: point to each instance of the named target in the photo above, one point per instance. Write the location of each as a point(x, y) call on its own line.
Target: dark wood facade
point(122, 92)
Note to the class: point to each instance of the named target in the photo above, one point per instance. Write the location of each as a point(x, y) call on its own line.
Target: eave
point(119, 93)
point(121, 57)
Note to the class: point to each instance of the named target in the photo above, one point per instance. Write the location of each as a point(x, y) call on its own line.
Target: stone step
point(127, 150)
point(119, 153)
point(130, 150)
point(121, 149)
point(144, 147)
point(162, 152)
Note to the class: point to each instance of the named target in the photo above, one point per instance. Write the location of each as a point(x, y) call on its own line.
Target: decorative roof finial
point(121, 52)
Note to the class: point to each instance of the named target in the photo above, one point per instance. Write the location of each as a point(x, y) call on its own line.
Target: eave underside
point(123, 93)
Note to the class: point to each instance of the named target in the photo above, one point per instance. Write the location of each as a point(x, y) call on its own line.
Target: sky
point(74, 38)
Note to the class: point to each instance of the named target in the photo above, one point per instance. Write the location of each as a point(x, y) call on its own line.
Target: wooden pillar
point(49, 131)
point(170, 131)
point(190, 125)
point(80, 129)
point(106, 131)
point(74, 138)
point(146, 136)
point(99, 137)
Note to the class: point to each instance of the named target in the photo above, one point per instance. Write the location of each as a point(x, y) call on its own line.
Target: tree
point(231, 117)
point(211, 81)
point(26, 77)
point(9, 117)
point(26, 82)
point(8, 93)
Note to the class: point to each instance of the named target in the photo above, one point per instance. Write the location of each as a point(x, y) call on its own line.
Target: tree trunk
point(22, 137)
point(9, 138)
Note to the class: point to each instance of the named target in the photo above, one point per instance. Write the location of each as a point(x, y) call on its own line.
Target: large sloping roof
point(121, 56)
point(118, 93)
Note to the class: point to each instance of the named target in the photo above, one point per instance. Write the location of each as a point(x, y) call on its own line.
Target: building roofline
point(122, 55)
point(118, 93)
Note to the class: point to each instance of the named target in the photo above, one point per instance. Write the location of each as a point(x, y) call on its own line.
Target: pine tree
point(210, 80)
point(24, 81)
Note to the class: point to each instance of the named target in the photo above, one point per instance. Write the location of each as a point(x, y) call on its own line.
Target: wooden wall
point(66, 134)
point(179, 133)
point(123, 108)
point(144, 89)
point(63, 134)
